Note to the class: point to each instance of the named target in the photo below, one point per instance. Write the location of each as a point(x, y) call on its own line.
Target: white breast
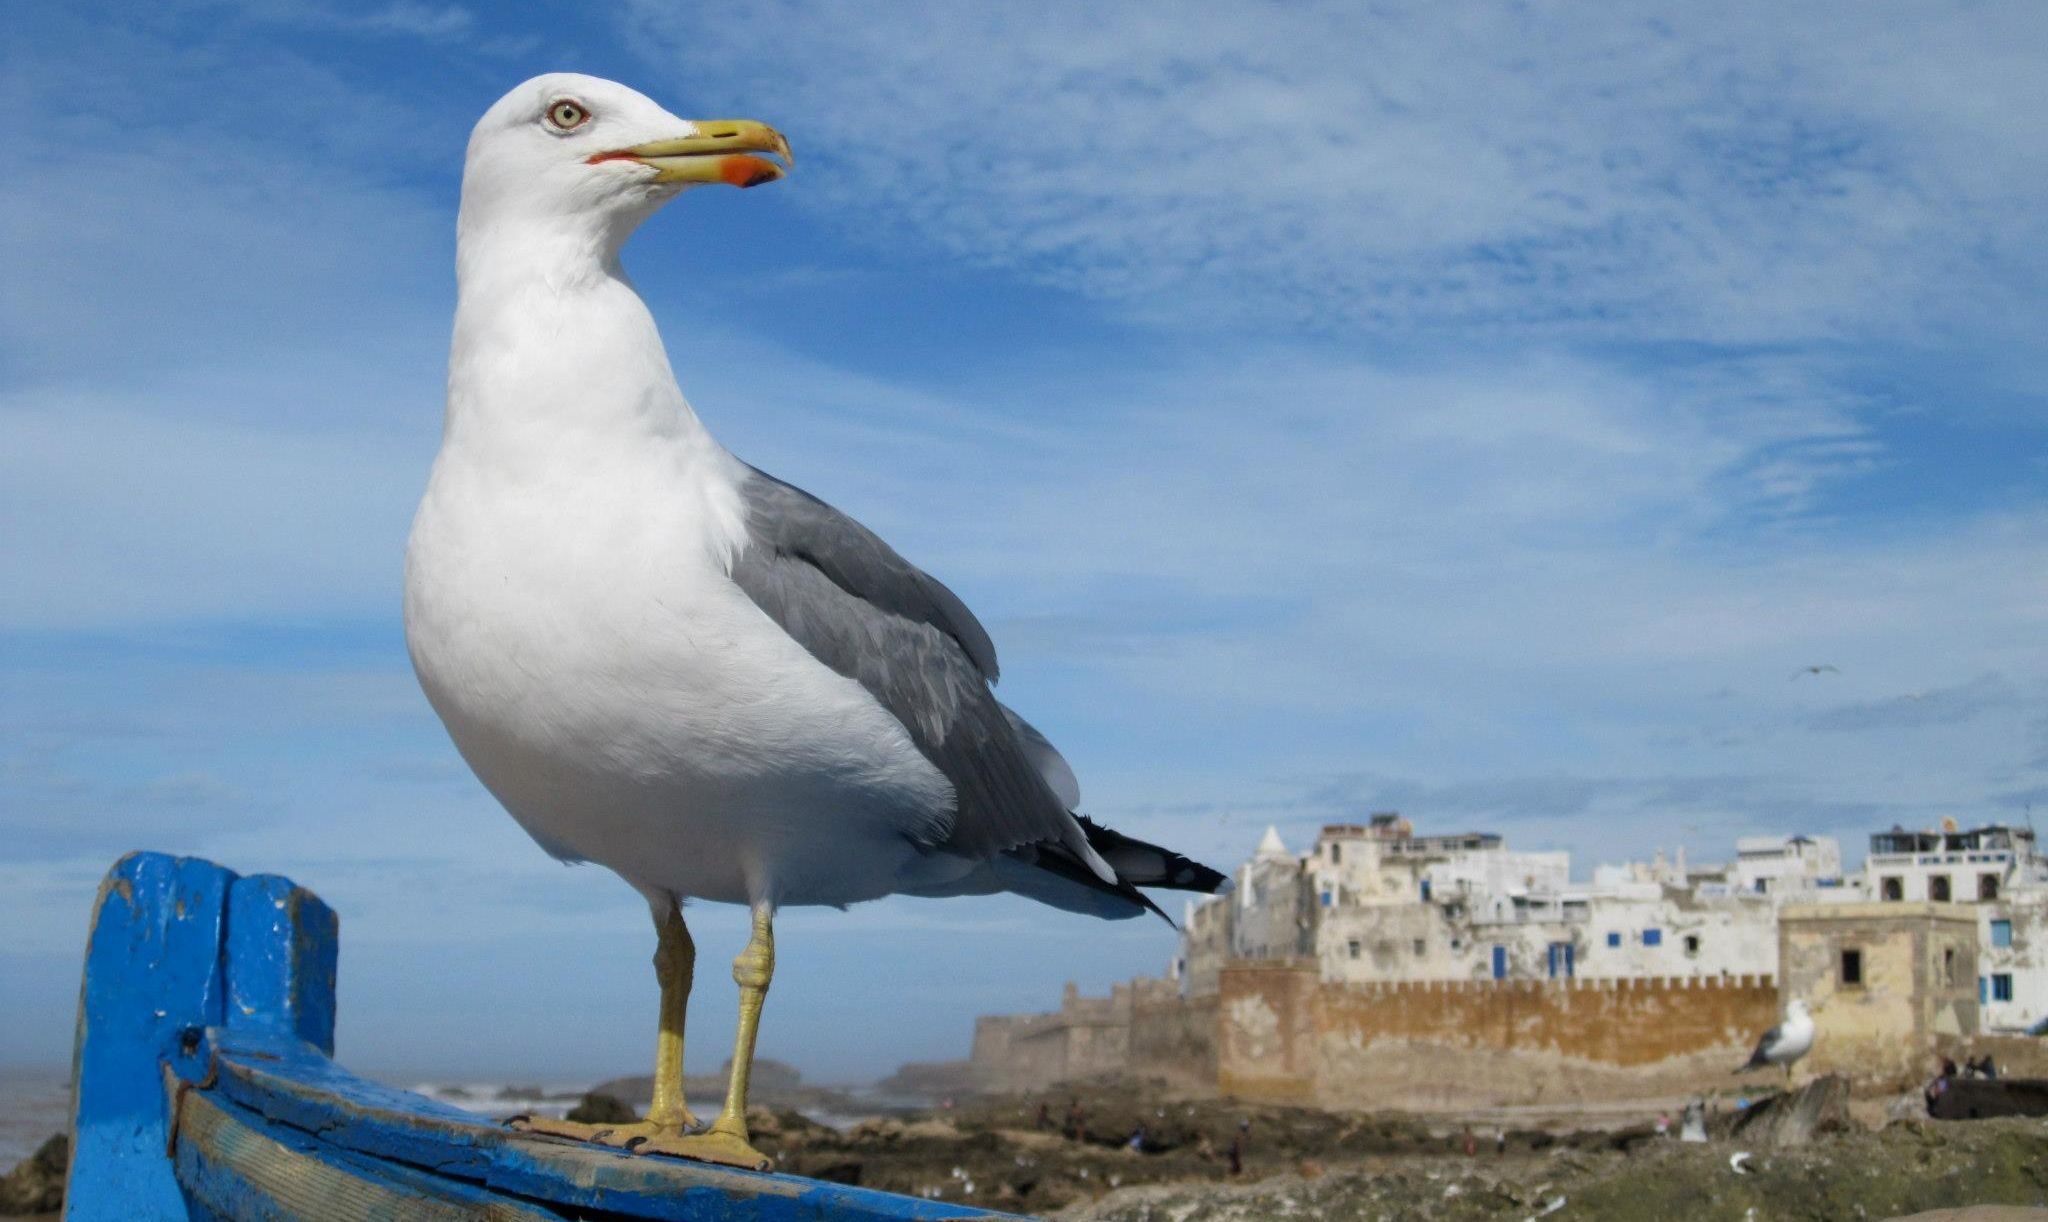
point(574, 626)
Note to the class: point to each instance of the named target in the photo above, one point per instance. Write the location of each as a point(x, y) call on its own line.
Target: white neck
point(552, 345)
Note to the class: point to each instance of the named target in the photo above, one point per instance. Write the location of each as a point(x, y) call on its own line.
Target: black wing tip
point(1058, 859)
point(1127, 856)
point(1136, 864)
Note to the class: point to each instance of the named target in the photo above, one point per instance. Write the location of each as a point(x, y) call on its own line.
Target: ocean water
point(34, 1104)
point(495, 1101)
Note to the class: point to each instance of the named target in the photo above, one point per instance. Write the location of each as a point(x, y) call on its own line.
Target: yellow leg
point(675, 967)
point(727, 1140)
point(752, 971)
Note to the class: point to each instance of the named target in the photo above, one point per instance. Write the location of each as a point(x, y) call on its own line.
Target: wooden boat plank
point(234, 1165)
point(290, 1084)
point(205, 1088)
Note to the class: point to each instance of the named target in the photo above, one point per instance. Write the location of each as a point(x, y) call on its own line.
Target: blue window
point(1614, 939)
point(1425, 891)
point(1500, 963)
point(2001, 933)
point(1327, 897)
point(2001, 987)
point(1653, 937)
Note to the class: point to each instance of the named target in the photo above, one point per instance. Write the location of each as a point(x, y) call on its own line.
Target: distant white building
point(1265, 915)
point(2000, 871)
point(1374, 901)
point(1774, 865)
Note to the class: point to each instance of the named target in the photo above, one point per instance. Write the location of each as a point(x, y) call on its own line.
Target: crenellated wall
point(1273, 1030)
point(1284, 1035)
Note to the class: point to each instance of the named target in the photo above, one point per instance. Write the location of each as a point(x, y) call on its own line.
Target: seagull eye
point(567, 116)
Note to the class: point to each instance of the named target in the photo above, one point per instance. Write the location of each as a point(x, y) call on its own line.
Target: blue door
point(1500, 963)
point(1560, 960)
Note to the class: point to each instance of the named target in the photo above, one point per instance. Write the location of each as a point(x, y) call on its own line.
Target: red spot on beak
point(743, 171)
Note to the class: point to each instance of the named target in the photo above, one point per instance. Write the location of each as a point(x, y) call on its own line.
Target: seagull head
point(582, 154)
point(1796, 1008)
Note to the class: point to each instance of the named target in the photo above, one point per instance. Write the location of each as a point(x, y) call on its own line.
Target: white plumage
point(1786, 1042)
point(665, 661)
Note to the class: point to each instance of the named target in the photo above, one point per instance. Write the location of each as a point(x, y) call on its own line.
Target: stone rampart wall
point(1175, 1039)
point(1284, 1035)
point(1274, 1030)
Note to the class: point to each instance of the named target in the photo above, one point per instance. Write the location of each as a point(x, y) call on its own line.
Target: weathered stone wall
point(1274, 1030)
point(1283, 1035)
point(1266, 1028)
point(1086, 1037)
point(988, 1062)
point(1917, 969)
point(1174, 1037)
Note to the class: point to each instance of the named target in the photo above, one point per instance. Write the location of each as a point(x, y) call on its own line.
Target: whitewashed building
point(1374, 901)
point(1774, 865)
point(2000, 871)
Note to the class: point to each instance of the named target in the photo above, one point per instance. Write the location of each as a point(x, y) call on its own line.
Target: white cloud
point(435, 22)
point(1745, 173)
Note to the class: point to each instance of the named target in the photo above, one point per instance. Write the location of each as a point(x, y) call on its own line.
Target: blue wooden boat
point(205, 1088)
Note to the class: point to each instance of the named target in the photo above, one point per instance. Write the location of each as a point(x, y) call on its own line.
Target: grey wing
point(1047, 759)
point(870, 615)
point(1767, 1045)
point(787, 521)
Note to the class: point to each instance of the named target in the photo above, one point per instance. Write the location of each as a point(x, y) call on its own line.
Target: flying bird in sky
point(663, 660)
point(1822, 669)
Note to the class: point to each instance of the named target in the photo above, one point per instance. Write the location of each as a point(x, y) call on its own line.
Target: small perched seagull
point(1784, 1043)
point(665, 661)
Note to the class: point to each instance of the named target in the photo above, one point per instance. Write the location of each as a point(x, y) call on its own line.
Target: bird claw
point(716, 1146)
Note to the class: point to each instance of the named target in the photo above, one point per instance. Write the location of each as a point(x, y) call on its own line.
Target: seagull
point(663, 660)
point(1784, 1043)
point(1822, 669)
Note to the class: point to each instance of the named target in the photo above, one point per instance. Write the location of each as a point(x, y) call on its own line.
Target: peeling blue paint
point(206, 1089)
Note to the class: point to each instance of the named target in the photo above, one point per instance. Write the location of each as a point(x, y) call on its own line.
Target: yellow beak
point(717, 153)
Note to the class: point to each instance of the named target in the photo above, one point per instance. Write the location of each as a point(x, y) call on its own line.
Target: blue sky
point(1328, 408)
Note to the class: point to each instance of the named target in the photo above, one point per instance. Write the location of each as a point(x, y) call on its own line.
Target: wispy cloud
point(437, 22)
point(1943, 706)
point(1735, 173)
